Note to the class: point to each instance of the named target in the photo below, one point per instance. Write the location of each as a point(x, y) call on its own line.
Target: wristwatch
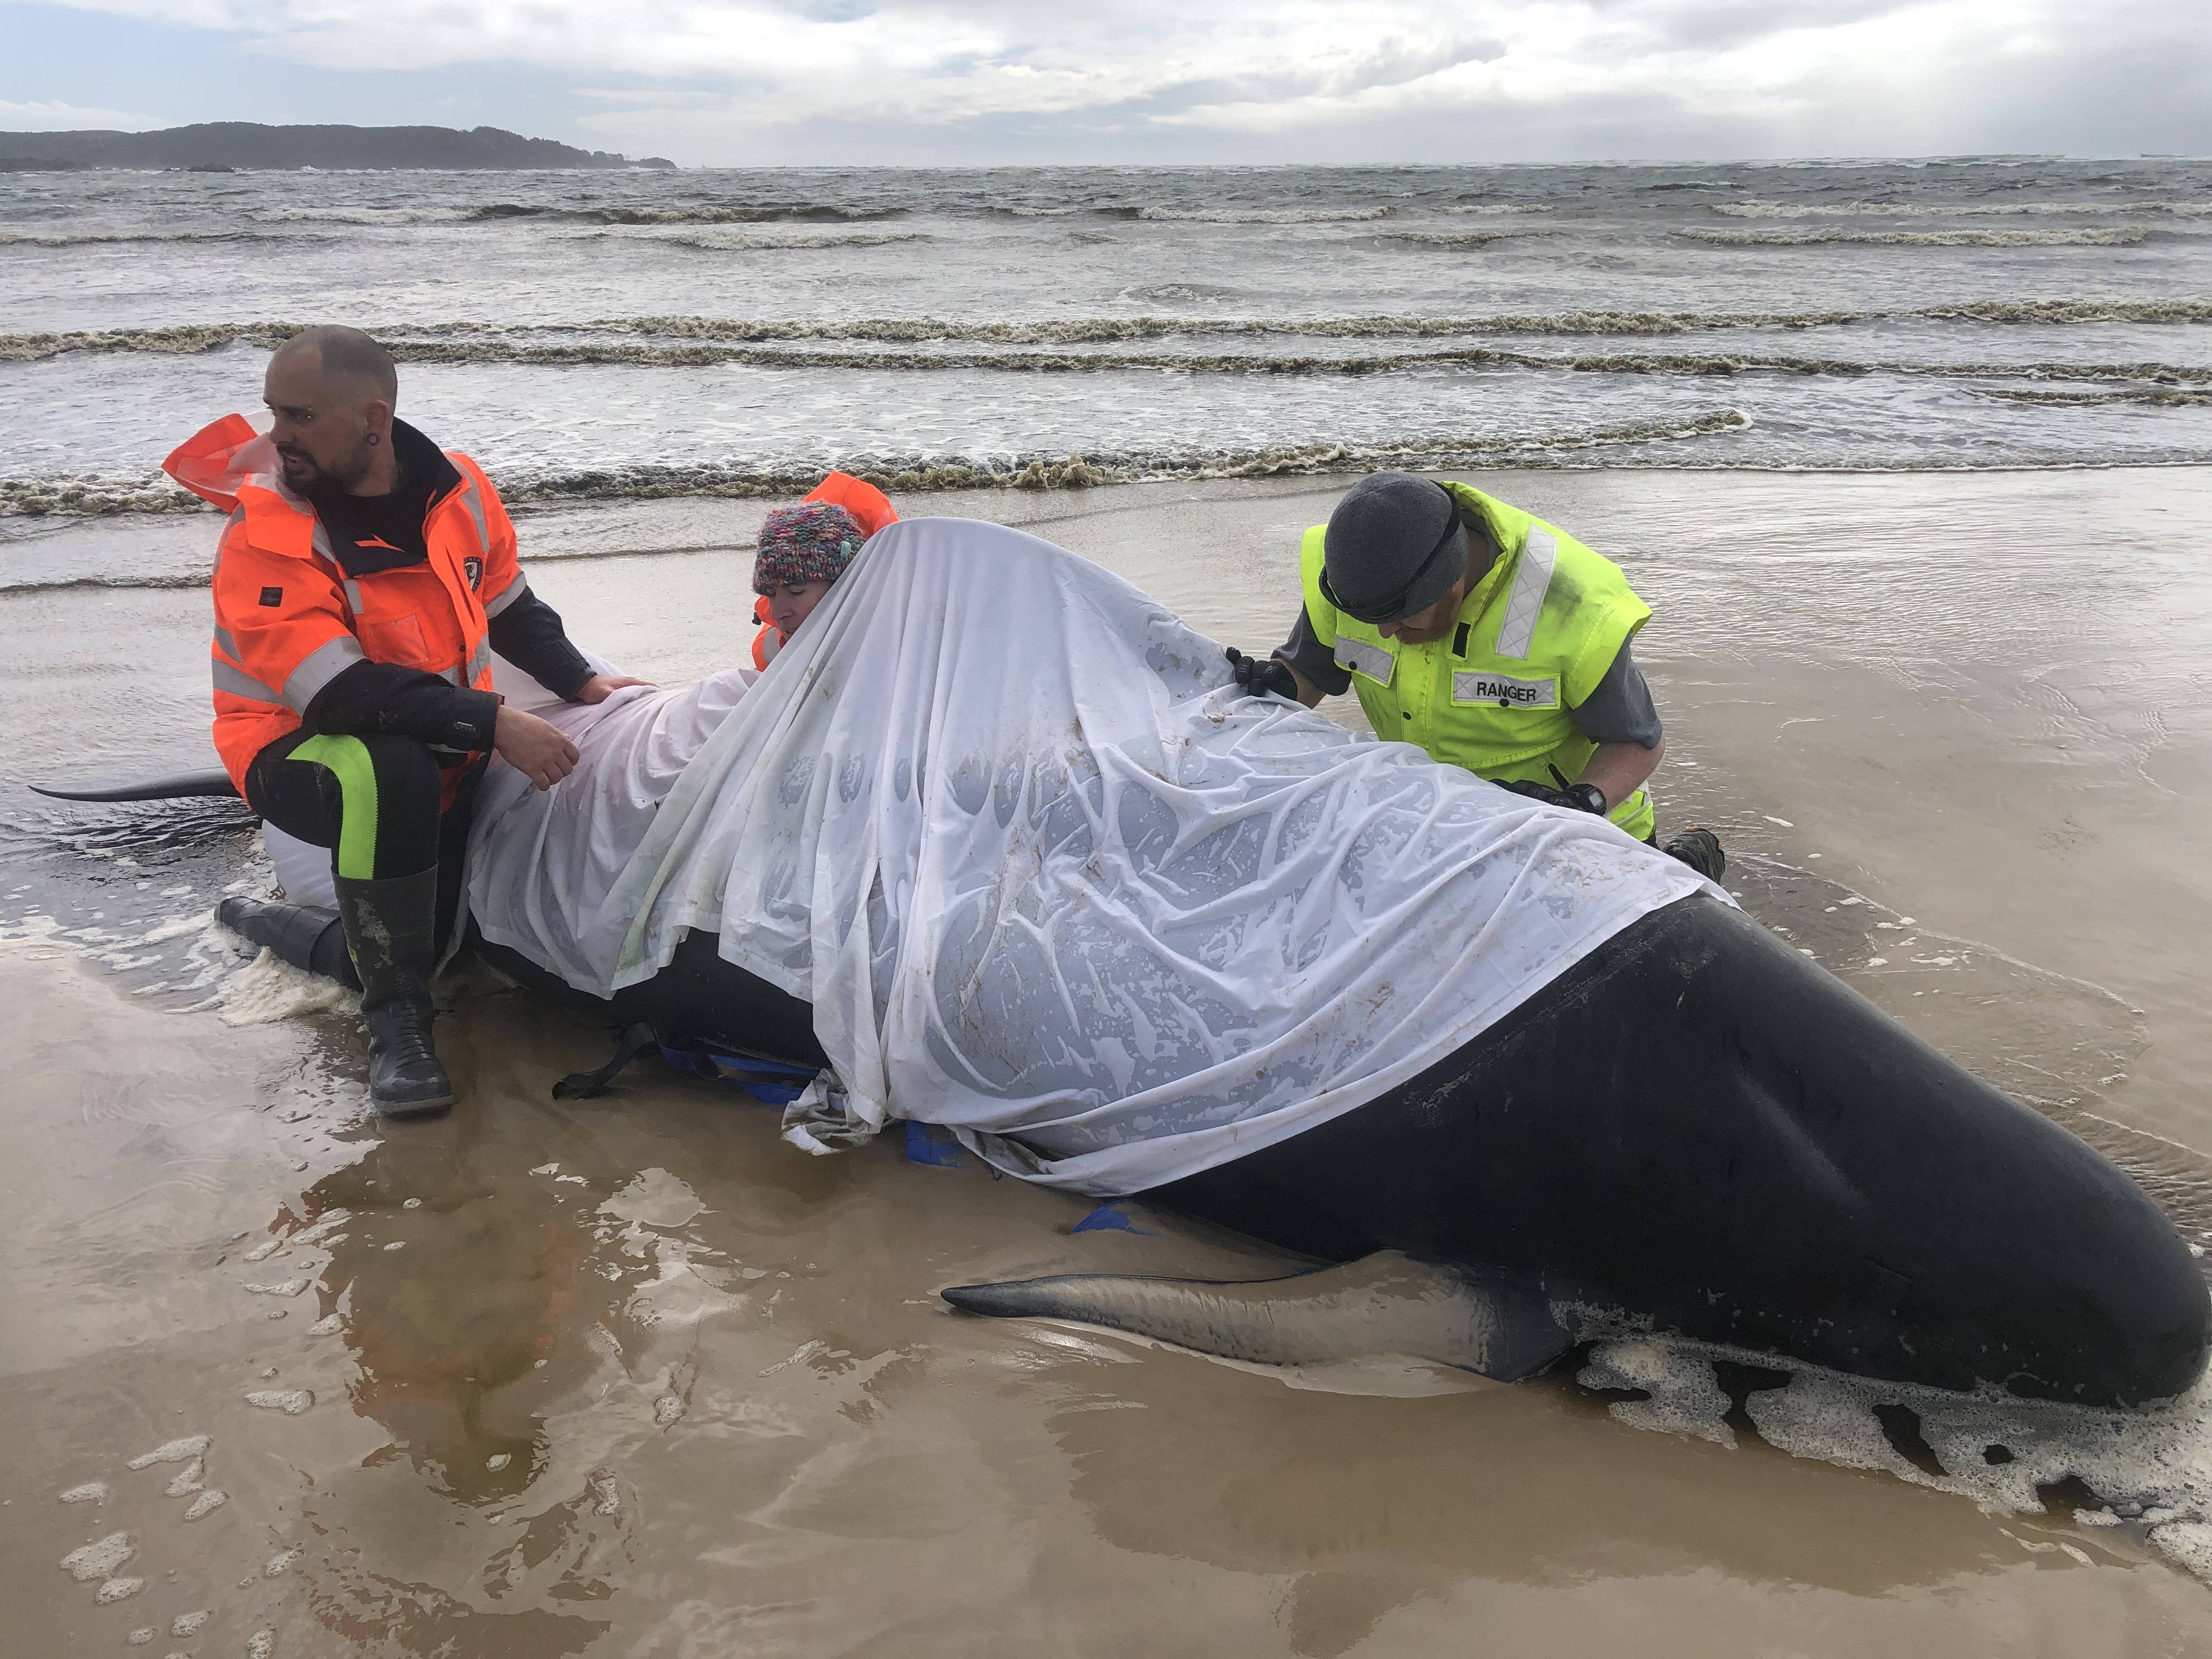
point(1588, 797)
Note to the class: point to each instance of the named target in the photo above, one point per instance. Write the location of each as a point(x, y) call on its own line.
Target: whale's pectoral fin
point(1382, 1304)
point(186, 785)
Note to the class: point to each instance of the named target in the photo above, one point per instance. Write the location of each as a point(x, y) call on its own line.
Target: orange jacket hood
point(222, 458)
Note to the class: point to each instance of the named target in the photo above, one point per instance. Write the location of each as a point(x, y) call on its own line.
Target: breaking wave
point(709, 214)
point(501, 212)
point(755, 241)
point(42, 239)
point(2099, 237)
point(363, 216)
point(94, 498)
point(1940, 210)
point(74, 584)
point(459, 344)
point(183, 339)
point(191, 338)
point(2070, 311)
point(89, 498)
point(2164, 397)
point(1253, 216)
point(1455, 238)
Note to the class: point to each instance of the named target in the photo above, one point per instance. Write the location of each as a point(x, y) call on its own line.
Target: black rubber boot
point(392, 924)
point(306, 935)
point(1700, 848)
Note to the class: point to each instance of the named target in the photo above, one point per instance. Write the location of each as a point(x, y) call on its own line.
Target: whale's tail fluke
point(1382, 1304)
point(185, 786)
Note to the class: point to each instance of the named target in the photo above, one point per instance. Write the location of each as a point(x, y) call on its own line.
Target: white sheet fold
point(1045, 876)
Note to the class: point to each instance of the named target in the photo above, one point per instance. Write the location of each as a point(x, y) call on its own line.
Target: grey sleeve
point(1314, 659)
point(1620, 710)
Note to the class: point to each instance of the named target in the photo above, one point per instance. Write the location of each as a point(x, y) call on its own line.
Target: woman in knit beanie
point(803, 549)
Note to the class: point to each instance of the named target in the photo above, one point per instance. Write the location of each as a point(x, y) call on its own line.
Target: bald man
point(360, 587)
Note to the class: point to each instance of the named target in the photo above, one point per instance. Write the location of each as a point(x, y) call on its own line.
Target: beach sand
point(630, 1376)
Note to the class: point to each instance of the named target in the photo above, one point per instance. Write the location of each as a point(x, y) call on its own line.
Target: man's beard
point(312, 477)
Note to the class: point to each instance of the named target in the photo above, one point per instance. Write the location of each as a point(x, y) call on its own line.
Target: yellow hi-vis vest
point(1535, 637)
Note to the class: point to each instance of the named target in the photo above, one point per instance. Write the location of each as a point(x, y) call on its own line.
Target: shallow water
point(633, 1375)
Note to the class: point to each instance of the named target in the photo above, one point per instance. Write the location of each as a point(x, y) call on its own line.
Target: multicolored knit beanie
point(812, 542)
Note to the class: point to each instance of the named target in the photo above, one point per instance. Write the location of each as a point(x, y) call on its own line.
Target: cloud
point(1414, 80)
point(71, 118)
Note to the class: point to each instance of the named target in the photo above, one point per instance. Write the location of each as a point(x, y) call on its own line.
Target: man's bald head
point(348, 355)
point(332, 391)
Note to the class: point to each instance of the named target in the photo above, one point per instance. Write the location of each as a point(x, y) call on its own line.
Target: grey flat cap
point(1386, 552)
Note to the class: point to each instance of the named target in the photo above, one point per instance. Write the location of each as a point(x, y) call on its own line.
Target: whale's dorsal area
point(1387, 1304)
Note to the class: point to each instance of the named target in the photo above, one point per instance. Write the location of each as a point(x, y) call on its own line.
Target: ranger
point(1487, 637)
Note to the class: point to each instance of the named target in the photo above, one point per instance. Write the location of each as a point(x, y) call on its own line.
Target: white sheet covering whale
point(1040, 869)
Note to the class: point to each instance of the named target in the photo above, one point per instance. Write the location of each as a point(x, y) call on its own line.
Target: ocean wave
point(56, 239)
point(707, 214)
point(728, 213)
point(1178, 293)
point(1101, 331)
point(2069, 311)
point(94, 498)
point(1485, 208)
point(364, 215)
point(1953, 210)
point(1254, 215)
point(1072, 331)
point(708, 354)
point(191, 338)
point(2102, 236)
point(183, 340)
point(2165, 396)
point(1449, 239)
point(638, 354)
point(768, 241)
point(75, 584)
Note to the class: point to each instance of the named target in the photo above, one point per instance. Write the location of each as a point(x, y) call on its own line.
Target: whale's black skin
point(697, 1001)
point(1697, 1128)
point(185, 786)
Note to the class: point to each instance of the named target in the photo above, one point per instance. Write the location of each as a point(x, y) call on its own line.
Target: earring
point(373, 438)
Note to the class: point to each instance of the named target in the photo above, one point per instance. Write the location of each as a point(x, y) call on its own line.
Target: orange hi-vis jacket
point(287, 619)
point(871, 509)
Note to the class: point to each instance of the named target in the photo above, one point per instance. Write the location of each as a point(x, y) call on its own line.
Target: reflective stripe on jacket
point(1535, 637)
point(871, 509)
point(288, 620)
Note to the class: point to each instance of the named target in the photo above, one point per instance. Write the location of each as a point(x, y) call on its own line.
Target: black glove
point(1533, 791)
point(1575, 797)
point(1262, 677)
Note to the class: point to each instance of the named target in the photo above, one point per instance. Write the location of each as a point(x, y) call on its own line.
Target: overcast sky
point(765, 81)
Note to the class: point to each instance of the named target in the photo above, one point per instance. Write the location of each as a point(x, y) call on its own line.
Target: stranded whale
point(995, 845)
point(1693, 1130)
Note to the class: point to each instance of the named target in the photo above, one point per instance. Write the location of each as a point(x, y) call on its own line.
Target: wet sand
point(632, 1377)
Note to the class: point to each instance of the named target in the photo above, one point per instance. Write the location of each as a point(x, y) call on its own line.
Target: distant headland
point(238, 146)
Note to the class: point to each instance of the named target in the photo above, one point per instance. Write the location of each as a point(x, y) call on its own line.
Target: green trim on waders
point(347, 759)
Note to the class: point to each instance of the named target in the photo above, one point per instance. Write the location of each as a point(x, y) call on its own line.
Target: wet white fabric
point(303, 869)
point(1048, 878)
point(537, 860)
